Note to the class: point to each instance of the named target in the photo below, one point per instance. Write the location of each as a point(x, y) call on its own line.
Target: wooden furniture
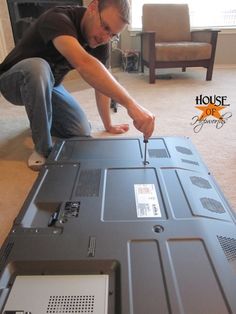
point(168, 42)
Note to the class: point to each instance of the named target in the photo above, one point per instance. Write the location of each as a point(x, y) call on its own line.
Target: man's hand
point(118, 129)
point(143, 120)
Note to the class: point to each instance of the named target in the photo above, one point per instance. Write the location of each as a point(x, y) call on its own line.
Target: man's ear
point(93, 6)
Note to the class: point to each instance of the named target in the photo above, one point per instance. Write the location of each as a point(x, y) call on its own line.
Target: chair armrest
point(148, 45)
point(205, 30)
point(204, 35)
point(145, 33)
point(148, 36)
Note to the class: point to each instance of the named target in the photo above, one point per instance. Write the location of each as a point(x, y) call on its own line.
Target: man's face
point(100, 27)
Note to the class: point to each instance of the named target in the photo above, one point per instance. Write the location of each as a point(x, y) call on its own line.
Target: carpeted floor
point(173, 102)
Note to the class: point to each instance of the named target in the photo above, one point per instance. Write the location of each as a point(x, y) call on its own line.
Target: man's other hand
point(118, 129)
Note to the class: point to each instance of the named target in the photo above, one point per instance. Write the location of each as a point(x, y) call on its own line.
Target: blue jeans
point(51, 110)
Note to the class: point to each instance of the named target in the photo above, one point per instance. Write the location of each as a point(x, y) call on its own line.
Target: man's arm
point(95, 73)
point(103, 105)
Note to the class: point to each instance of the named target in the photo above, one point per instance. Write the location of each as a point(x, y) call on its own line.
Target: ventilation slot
point(212, 205)
point(83, 304)
point(158, 153)
point(183, 150)
point(5, 254)
point(229, 247)
point(190, 162)
point(200, 182)
point(89, 183)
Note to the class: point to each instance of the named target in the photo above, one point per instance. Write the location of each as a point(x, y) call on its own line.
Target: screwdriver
point(145, 151)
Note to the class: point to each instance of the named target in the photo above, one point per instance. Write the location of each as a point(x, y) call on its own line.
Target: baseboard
point(225, 66)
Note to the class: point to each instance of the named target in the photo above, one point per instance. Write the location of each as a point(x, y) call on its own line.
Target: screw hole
point(158, 229)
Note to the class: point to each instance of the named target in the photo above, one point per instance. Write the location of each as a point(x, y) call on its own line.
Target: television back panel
point(162, 233)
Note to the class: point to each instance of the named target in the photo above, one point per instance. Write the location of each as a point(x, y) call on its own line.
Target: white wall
point(6, 38)
point(226, 48)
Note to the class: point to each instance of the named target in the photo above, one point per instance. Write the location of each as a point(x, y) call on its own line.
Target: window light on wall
point(203, 13)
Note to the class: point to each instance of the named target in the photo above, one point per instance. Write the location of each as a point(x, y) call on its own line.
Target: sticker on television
point(147, 205)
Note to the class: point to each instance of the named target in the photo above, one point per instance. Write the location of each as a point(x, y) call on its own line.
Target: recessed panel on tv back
point(59, 294)
point(169, 151)
point(162, 234)
point(73, 150)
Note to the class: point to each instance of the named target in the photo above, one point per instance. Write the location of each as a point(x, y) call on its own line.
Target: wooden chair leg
point(209, 73)
point(142, 66)
point(214, 37)
point(152, 77)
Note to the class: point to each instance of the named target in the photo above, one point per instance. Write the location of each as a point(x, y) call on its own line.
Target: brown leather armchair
point(168, 42)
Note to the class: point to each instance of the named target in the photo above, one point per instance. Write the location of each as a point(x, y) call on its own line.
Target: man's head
point(104, 19)
point(122, 6)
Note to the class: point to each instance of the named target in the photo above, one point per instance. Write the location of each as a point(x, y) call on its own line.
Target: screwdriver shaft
point(145, 152)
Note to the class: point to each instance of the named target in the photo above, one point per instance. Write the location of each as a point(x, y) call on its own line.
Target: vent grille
point(200, 182)
point(212, 205)
point(83, 304)
point(183, 150)
point(89, 183)
point(190, 162)
point(229, 247)
point(158, 153)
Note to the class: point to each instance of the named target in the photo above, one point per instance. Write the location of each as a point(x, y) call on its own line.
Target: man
point(65, 38)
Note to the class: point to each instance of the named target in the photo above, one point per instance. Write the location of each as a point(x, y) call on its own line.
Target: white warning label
point(147, 204)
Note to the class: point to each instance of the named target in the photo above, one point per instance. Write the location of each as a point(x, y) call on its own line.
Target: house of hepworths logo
point(211, 112)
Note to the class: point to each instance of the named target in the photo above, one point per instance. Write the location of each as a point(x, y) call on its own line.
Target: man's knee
point(79, 128)
point(71, 129)
point(35, 64)
point(37, 69)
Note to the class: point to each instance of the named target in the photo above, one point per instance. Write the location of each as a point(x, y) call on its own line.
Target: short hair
point(123, 7)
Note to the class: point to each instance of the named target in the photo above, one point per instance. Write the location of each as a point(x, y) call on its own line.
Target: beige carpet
point(173, 102)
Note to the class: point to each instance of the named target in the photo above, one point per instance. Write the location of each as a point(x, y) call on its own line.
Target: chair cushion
point(169, 21)
point(182, 51)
